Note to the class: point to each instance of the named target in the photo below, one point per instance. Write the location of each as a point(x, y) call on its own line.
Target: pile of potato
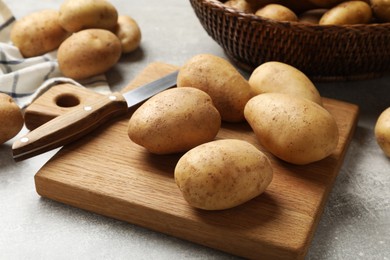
point(279, 102)
point(322, 12)
point(89, 34)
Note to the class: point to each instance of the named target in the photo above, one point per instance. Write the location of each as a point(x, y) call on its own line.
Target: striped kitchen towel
point(24, 79)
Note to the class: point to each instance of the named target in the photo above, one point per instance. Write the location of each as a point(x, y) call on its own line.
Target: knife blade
point(78, 122)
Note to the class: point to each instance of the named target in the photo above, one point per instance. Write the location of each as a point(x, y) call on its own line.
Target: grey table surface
point(356, 220)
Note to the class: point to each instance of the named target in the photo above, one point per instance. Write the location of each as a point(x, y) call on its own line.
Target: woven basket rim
point(255, 18)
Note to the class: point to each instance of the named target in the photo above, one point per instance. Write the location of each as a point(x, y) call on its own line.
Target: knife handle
point(69, 127)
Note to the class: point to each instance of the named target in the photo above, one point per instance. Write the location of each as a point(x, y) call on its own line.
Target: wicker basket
point(324, 53)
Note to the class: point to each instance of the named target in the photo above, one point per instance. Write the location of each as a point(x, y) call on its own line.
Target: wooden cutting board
point(108, 174)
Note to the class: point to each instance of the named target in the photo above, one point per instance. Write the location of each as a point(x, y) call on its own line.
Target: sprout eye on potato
point(222, 174)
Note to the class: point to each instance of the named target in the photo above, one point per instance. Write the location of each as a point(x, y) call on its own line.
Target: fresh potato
point(277, 12)
point(128, 33)
point(175, 120)
point(381, 9)
point(77, 15)
point(312, 16)
point(88, 53)
point(228, 89)
point(222, 174)
point(350, 12)
point(297, 6)
point(293, 129)
point(279, 77)
point(240, 5)
point(382, 131)
point(38, 33)
point(11, 118)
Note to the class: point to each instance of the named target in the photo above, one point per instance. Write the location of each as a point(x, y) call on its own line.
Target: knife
point(78, 122)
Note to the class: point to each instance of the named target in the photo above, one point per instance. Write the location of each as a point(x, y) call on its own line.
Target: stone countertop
point(356, 220)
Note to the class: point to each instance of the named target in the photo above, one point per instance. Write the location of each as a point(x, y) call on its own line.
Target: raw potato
point(382, 131)
point(11, 118)
point(381, 9)
point(88, 53)
point(222, 174)
point(240, 5)
point(128, 33)
point(77, 15)
point(350, 12)
point(228, 89)
point(280, 77)
point(293, 129)
point(38, 33)
point(175, 120)
point(277, 12)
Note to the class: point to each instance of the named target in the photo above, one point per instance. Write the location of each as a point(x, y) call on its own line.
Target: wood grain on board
point(108, 174)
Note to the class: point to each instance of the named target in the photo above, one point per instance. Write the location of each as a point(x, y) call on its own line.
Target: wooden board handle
point(69, 127)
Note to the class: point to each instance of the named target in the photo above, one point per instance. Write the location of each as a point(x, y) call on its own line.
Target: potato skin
point(279, 77)
point(38, 33)
point(349, 12)
point(77, 15)
point(222, 174)
point(277, 12)
point(228, 89)
point(174, 121)
point(381, 9)
point(129, 33)
point(293, 129)
point(382, 131)
point(88, 53)
point(11, 118)
point(240, 5)
point(312, 16)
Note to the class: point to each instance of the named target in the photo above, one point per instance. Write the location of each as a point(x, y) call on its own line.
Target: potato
point(240, 5)
point(277, 12)
point(293, 129)
point(222, 174)
point(297, 6)
point(382, 131)
point(228, 89)
point(38, 33)
point(280, 77)
point(88, 53)
point(350, 12)
point(381, 9)
point(129, 33)
point(312, 16)
point(77, 15)
point(174, 120)
point(11, 118)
